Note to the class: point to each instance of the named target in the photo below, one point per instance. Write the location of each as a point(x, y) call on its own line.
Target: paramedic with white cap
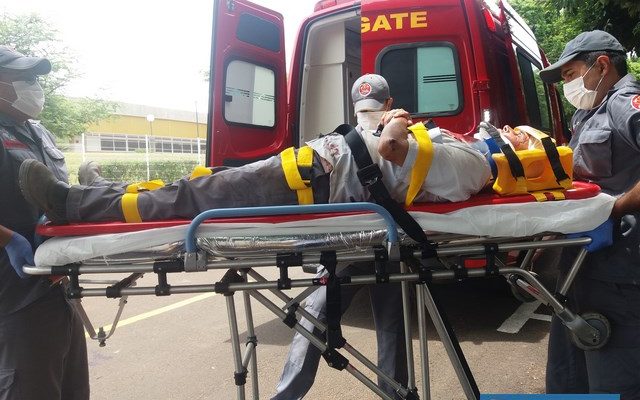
point(371, 99)
point(606, 150)
point(43, 355)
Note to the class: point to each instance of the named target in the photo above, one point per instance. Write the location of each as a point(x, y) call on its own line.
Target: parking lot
point(178, 347)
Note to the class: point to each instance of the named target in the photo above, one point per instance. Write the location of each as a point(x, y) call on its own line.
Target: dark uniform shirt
point(606, 145)
point(18, 142)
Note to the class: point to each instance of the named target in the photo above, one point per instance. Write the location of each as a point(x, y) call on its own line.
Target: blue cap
point(585, 42)
point(13, 60)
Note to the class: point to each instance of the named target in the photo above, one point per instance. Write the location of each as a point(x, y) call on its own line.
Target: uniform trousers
point(615, 368)
point(43, 343)
point(386, 301)
point(261, 183)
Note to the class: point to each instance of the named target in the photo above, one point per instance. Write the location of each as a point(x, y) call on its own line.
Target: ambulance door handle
point(228, 98)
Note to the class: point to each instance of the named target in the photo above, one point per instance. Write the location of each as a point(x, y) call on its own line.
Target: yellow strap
point(557, 195)
point(305, 156)
point(129, 205)
point(290, 168)
point(539, 196)
point(305, 160)
point(199, 171)
point(292, 174)
point(533, 132)
point(566, 183)
point(144, 186)
point(521, 185)
point(423, 161)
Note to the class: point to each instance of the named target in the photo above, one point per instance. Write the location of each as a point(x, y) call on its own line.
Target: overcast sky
point(144, 51)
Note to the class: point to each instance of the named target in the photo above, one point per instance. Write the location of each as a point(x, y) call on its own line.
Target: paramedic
point(43, 355)
point(371, 99)
point(606, 145)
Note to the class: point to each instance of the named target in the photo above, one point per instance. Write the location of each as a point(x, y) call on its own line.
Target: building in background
point(168, 131)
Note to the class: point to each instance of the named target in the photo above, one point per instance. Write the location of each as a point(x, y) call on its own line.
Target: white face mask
point(578, 95)
point(30, 97)
point(369, 120)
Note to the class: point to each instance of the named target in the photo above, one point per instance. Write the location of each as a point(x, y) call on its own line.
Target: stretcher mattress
point(484, 215)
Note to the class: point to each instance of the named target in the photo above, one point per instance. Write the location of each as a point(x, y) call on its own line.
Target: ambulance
point(458, 62)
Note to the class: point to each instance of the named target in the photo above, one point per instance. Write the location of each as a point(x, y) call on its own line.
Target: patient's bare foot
point(394, 145)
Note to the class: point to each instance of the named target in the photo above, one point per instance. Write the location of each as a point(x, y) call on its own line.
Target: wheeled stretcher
point(241, 241)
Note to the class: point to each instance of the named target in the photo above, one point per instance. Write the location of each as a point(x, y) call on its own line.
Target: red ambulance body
point(456, 61)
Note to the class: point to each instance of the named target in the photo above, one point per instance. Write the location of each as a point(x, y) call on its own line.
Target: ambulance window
point(249, 94)
point(535, 94)
point(424, 79)
point(258, 32)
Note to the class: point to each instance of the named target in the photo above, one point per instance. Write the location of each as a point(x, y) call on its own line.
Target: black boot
point(89, 173)
point(41, 188)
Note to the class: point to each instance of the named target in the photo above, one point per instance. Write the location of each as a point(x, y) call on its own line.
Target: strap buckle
point(369, 175)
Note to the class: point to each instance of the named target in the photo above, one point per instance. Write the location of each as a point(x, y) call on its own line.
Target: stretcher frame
point(412, 272)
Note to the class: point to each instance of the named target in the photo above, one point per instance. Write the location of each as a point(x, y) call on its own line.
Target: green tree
point(65, 117)
point(621, 18)
point(555, 22)
point(553, 27)
point(634, 67)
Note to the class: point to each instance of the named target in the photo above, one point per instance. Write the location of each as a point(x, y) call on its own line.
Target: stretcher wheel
point(518, 292)
point(521, 295)
point(599, 322)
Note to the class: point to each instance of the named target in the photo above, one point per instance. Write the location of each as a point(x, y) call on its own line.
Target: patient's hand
point(394, 145)
point(396, 113)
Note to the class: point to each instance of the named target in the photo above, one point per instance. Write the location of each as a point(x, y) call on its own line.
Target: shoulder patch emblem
point(635, 102)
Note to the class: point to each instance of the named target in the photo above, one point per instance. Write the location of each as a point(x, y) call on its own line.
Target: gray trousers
point(386, 300)
point(615, 368)
point(43, 352)
point(261, 183)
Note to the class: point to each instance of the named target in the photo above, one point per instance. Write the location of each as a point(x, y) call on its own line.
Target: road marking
point(525, 312)
point(158, 311)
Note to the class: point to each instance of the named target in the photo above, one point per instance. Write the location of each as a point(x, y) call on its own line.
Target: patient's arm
point(394, 144)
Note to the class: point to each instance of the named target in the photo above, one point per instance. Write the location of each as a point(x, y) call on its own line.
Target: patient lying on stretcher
point(323, 171)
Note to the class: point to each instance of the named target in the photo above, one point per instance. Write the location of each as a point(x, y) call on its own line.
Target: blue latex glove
point(601, 237)
point(20, 253)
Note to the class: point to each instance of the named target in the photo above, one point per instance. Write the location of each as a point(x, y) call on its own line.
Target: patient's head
point(518, 138)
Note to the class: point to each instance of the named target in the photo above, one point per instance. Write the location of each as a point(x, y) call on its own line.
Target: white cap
point(369, 92)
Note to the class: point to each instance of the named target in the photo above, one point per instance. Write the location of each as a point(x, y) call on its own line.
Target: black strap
point(430, 124)
point(554, 159)
point(370, 177)
point(335, 340)
point(517, 170)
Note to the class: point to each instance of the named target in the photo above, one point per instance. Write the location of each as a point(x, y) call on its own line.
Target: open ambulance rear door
point(247, 106)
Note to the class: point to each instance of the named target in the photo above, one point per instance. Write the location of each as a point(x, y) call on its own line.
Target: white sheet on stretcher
point(504, 220)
